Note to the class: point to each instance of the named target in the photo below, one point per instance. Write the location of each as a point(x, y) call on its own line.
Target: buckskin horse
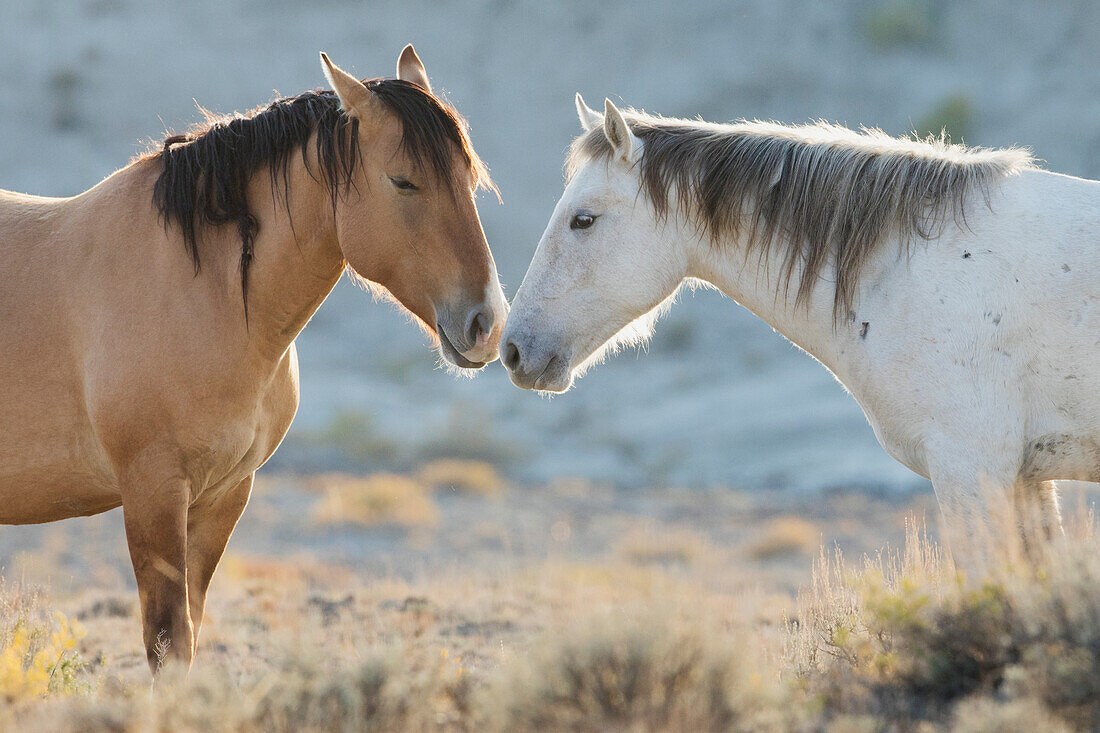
point(148, 324)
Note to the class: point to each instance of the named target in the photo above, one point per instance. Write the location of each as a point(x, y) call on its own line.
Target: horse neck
point(756, 279)
point(297, 259)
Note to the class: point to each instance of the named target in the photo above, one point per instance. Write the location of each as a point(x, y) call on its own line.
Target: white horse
point(954, 292)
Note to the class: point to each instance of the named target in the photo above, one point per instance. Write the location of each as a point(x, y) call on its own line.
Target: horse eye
point(582, 221)
point(403, 184)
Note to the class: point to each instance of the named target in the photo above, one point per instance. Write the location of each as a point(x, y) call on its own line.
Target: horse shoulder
point(989, 303)
point(211, 403)
point(925, 329)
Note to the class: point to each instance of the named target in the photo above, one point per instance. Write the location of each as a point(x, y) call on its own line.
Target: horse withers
point(148, 324)
point(953, 291)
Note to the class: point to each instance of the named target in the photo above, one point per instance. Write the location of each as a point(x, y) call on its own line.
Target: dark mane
point(206, 172)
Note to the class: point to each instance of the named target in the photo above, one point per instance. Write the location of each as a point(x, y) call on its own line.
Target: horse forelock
point(432, 131)
point(827, 194)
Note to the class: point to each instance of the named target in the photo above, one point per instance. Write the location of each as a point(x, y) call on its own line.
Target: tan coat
point(130, 380)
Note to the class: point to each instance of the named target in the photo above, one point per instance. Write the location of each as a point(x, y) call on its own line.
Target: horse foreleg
point(977, 506)
point(972, 503)
point(209, 525)
point(965, 526)
point(155, 514)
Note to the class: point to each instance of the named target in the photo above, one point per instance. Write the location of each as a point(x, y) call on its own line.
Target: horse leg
point(965, 525)
point(156, 532)
point(1037, 511)
point(209, 525)
point(976, 504)
point(1032, 518)
point(970, 501)
point(1051, 510)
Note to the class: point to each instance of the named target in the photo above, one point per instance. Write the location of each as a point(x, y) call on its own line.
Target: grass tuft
point(380, 499)
point(479, 478)
point(646, 545)
point(783, 537)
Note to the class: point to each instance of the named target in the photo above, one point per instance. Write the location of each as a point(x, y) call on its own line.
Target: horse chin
point(452, 356)
point(486, 349)
point(557, 377)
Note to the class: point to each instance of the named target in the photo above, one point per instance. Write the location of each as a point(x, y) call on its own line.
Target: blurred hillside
point(719, 399)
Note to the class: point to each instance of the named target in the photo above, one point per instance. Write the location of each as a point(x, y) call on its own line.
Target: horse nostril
point(477, 323)
point(483, 324)
point(511, 356)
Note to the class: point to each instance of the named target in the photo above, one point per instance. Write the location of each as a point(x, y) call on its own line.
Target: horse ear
point(589, 117)
point(353, 93)
point(410, 69)
point(618, 132)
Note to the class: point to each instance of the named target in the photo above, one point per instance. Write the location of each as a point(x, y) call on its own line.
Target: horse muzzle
point(532, 367)
point(470, 340)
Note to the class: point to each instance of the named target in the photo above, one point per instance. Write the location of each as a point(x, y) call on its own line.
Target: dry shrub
point(383, 694)
point(38, 649)
point(583, 584)
point(621, 675)
point(900, 23)
point(901, 641)
point(467, 476)
point(906, 638)
point(380, 499)
point(785, 536)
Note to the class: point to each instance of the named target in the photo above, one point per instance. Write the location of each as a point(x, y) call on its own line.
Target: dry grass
point(785, 536)
point(651, 545)
point(619, 673)
point(384, 693)
point(380, 499)
point(896, 642)
point(906, 637)
point(453, 474)
point(662, 632)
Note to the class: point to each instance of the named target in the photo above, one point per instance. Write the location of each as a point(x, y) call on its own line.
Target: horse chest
point(899, 432)
point(243, 442)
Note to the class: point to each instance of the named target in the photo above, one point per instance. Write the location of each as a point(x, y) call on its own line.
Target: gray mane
point(826, 193)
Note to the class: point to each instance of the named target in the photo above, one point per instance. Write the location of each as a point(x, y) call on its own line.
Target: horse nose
point(525, 369)
point(535, 361)
point(511, 356)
